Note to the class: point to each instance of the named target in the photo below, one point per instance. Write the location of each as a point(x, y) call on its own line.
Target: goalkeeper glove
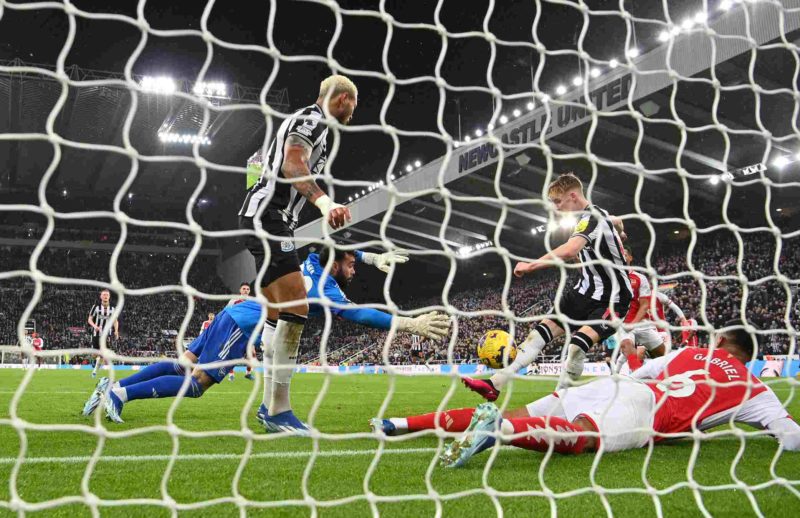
point(431, 325)
point(383, 262)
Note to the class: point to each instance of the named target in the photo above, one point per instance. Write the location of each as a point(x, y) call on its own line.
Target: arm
point(116, 329)
point(644, 299)
point(297, 151)
point(765, 411)
point(566, 251)
point(91, 320)
point(383, 262)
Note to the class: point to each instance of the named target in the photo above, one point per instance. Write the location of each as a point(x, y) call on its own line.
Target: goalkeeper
point(430, 325)
point(212, 355)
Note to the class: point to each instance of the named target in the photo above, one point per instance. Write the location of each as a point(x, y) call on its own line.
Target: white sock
point(286, 341)
point(121, 393)
point(526, 353)
point(268, 349)
point(401, 423)
point(575, 360)
point(621, 360)
point(96, 365)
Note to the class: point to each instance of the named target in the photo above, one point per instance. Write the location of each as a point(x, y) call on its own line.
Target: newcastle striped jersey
point(100, 315)
point(602, 282)
point(307, 124)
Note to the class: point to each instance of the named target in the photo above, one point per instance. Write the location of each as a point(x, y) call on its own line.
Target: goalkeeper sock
point(287, 342)
point(163, 386)
point(621, 359)
point(155, 370)
point(268, 351)
point(541, 432)
point(456, 420)
point(526, 353)
point(96, 365)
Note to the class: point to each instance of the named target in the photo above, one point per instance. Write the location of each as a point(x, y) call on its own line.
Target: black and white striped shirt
point(100, 315)
point(307, 124)
point(607, 281)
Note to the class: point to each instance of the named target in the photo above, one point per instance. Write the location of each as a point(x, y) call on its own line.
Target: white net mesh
point(680, 119)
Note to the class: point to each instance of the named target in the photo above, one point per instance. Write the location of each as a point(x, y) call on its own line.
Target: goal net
point(132, 133)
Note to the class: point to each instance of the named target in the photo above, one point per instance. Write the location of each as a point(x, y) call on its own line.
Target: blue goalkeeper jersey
point(312, 271)
point(245, 314)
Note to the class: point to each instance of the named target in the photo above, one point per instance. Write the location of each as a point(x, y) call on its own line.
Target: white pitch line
point(213, 456)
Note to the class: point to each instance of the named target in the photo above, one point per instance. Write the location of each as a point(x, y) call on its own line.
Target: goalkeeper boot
point(114, 408)
point(383, 426)
point(477, 437)
point(94, 400)
point(249, 376)
point(483, 387)
point(261, 414)
point(286, 422)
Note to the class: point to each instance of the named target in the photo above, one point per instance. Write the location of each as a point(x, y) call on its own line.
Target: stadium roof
point(528, 55)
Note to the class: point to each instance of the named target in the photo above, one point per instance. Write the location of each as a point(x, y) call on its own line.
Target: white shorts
point(667, 336)
point(622, 410)
point(648, 337)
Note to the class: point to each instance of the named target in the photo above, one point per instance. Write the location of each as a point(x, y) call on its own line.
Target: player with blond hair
point(603, 289)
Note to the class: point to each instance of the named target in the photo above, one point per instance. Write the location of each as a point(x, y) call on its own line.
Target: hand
point(522, 269)
point(338, 216)
point(97, 328)
point(433, 325)
point(383, 262)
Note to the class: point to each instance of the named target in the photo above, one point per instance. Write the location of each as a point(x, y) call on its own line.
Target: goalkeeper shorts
point(283, 258)
point(223, 341)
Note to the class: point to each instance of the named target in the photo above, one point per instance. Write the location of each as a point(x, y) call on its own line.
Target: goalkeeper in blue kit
point(434, 326)
point(213, 354)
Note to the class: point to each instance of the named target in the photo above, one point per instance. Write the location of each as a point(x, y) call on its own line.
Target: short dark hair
point(245, 284)
point(628, 249)
point(739, 337)
point(338, 254)
point(106, 289)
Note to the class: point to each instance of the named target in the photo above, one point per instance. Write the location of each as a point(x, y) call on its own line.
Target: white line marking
point(214, 456)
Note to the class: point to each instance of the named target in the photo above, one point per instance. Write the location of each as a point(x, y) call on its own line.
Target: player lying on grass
point(224, 340)
point(603, 290)
point(690, 387)
point(430, 325)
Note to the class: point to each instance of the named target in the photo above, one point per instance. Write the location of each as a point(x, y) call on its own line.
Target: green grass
point(337, 478)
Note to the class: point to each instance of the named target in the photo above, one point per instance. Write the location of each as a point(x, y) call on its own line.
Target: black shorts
point(582, 309)
point(96, 341)
point(283, 258)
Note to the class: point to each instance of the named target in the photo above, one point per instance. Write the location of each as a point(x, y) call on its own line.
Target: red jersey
point(689, 333)
point(707, 388)
point(641, 288)
point(37, 344)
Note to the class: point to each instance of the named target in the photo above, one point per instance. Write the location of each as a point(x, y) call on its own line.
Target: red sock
point(541, 442)
point(456, 420)
point(634, 362)
point(249, 369)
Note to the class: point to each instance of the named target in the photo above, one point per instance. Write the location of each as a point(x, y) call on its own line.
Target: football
point(497, 349)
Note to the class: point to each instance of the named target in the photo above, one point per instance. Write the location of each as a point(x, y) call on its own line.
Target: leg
point(577, 348)
point(289, 288)
point(455, 420)
point(267, 352)
point(544, 332)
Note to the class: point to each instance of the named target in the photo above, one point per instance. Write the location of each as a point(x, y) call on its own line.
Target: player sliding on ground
point(224, 341)
point(602, 289)
point(709, 387)
point(430, 325)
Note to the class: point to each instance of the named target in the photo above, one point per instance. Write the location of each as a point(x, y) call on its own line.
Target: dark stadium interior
point(658, 189)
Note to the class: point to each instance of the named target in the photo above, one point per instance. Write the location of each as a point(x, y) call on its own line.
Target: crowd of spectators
point(716, 288)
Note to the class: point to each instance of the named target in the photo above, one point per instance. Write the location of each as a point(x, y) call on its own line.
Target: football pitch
point(143, 462)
